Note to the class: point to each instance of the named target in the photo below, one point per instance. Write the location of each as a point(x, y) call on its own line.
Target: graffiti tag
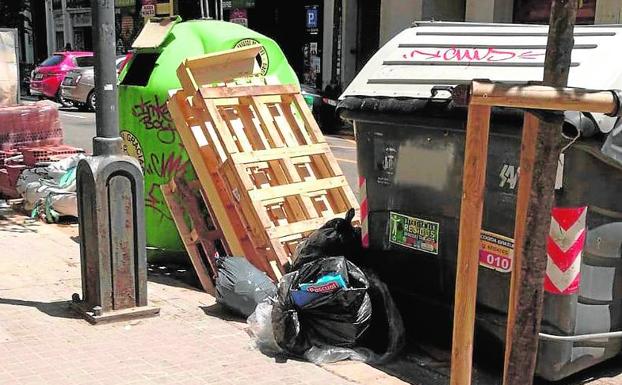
point(472, 54)
point(166, 166)
point(154, 115)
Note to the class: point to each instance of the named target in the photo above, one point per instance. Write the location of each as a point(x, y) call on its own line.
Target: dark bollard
point(112, 239)
point(111, 211)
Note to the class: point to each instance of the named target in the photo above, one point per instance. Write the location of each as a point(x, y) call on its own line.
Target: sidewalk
point(43, 342)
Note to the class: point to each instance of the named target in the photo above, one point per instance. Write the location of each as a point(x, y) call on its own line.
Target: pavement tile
point(43, 342)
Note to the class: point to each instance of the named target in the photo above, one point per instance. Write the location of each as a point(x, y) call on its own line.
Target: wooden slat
point(279, 153)
point(267, 123)
point(306, 226)
point(208, 92)
point(221, 67)
point(256, 136)
point(298, 188)
point(307, 117)
point(300, 131)
point(197, 262)
point(221, 127)
point(474, 183)
point(527, 161)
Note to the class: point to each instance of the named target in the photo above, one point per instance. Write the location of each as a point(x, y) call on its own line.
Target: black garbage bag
point(310, 312)
point(337, 237)
point(386, 335)
point(240, 286)
point(383, 340)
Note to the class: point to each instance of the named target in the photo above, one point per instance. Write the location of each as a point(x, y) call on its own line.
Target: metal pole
point(221, 15)
point(202, 10)
point(107, 141)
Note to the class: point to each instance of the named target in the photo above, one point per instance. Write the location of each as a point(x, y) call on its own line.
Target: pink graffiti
point(166, 166)
point(155, 116)
point(154, 200)
point(472, 54)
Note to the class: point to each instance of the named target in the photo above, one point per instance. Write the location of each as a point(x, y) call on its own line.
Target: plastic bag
point(240, 286)
point(260, 329)
point(331, 319)
point(386, 336)
point(382, 341)
point(336, 237)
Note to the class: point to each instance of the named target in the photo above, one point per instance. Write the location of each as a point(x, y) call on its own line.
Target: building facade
point(324, 40)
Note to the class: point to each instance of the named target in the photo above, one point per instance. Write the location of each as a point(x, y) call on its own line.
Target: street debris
point(240, 286)
point(329, 309)
point(50, 192)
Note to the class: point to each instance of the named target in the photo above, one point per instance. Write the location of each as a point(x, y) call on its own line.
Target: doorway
point(368, 31)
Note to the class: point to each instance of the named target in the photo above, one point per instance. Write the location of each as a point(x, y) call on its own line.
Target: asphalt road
point(79, 130)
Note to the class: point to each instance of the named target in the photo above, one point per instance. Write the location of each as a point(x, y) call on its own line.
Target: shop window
point(140, 69)
point(538, 11)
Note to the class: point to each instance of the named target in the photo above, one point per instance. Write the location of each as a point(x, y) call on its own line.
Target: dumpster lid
point(422, 59)
point(155, 31)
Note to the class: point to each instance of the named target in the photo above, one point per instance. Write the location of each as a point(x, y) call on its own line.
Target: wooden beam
point(473, 186)
point(541, 146)
point(542, 97)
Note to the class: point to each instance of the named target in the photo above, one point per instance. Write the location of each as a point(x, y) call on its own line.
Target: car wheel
point(64, 102)
point(91, 101)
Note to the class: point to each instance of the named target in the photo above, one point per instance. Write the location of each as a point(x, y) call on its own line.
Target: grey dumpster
point(410, 141)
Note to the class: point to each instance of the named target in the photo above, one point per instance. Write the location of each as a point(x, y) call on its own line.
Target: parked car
point(46, 79)
point(78, 86)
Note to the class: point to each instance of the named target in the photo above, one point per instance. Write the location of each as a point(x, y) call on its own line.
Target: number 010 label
point(496, 252)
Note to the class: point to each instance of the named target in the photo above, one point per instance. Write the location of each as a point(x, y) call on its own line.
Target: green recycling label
point(414, 233)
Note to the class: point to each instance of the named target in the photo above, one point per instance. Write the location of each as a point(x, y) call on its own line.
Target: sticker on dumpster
point(132, 147)
point(414, 233)
point(262, 58)
point(496, 251)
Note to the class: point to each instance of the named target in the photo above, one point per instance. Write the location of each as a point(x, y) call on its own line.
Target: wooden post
point(540, 151)
point(473, 187)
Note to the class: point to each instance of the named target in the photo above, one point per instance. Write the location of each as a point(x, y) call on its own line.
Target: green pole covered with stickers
point(147, 129)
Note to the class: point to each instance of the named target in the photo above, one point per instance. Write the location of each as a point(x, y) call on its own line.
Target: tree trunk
point(535, 199)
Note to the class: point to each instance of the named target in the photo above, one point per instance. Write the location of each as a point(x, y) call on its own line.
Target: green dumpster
point(146, 126)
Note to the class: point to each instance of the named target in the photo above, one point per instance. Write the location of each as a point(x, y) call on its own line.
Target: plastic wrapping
point(337, 318)
point(30, 125)
point(336, 237)
point(240, 286)
point(51, 191)
point(260, 329)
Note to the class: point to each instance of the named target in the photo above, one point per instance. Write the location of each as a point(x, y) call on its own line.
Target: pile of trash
point(50, 192)
point(326, 309)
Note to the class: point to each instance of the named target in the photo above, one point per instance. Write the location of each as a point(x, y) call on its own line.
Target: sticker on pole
point(496, 252)
point(414, 233)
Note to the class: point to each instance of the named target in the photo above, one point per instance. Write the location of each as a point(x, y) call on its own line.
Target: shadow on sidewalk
point(58, 309)
point(219, 311)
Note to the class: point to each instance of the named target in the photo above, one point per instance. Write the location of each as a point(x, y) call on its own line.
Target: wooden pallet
point(197, 227)
point(263, 147)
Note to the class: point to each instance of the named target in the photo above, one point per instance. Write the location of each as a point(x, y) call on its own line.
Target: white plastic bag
point(260, 329)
